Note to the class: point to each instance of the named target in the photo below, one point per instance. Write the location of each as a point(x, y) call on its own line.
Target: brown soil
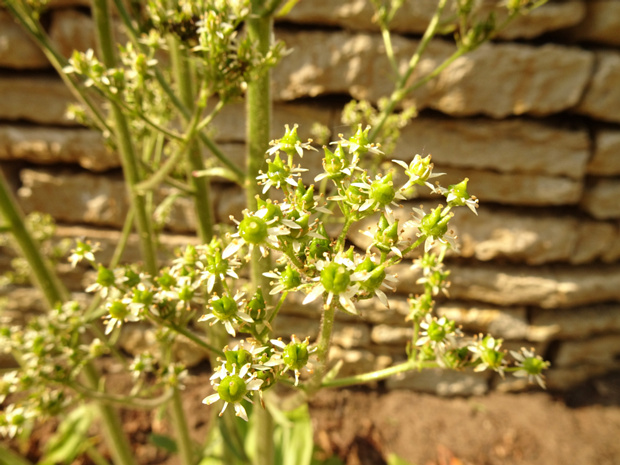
point(363, 427)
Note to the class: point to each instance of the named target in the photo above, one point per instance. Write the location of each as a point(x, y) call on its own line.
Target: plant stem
point(323, 346)
point(258, 120)
point(179, 422)
point(112, 426)
point(127, 154)
point(378, 375)
point(42, 272)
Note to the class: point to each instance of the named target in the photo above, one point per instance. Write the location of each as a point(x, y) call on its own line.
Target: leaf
point(8, 457)
point(394, 459)
point(163, 442)
point(293, 437)
point(71, 438)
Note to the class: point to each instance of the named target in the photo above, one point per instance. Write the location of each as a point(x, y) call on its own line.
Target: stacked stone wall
point(533, 119)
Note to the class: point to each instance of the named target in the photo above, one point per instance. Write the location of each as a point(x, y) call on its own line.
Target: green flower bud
point(296, 355)
point(166, 280)
point(256, 306)
point(335, 278)
point(335, 162)
point(290, 141)
point(382, 190)
point(105, 276)
point(237, 358)
point(224, 307)
point(291, 278)
point(375, 276)
point(253, 229)
point(118, 310)
point(435, 224)
point(232, 389)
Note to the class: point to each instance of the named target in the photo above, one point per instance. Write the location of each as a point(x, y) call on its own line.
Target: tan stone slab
point(601, 23)
point(575, 323)
point(600, 199)
point(601, 350)
point(40, 99)
point(602, 98)
point(514, 145)
point(413, 17)
point(566, 378)
point(443, 382)
point(42, 145)
point(17, 50)
point(606, 159)
point(545, 287)
point(488, 81)
point(506, 323)
point(517, 236)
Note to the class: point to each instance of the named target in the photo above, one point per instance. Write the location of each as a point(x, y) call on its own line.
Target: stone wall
point(533, 119)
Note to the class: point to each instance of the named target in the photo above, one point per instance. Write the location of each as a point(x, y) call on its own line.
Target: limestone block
point(488, 81)
point(602, 350)
point(606, 159)
point(443, 382)
point(87, 198)
point(354, 362)
point(574, 323)
point(601, 23)
point(389, 335)
point(516, 188)
point(600, 199)
point(17, 50)
point(602, 97)
point(565, 378)
point(229, 124)
point(413, 17)
point(289, 325)
point(349, 335)
point(507, 323)
point(38, 98)
point(546, 287)
point(515, 145)
point(44, 146)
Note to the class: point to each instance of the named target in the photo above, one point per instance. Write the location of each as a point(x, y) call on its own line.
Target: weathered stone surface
point(565, 378)
point(509, 146)
point(87, 198)
point(606, 159)
point(507, 323)
point(442, 382)
point(44, 146)
point(601, 23)
point(38, 98)
point(488, 81)
point(389, 335)
point(600, 199)
point(575, 323)
point(17, 50)
point(354, 361)
point(602, 350)
point(548, 287)
point(602, 98)
point(229, 124)
point(413, 17)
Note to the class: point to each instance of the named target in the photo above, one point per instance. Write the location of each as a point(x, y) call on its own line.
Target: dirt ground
point(363, 426)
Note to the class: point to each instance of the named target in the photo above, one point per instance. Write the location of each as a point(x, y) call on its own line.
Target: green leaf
point(394, 459)
point(71, 438)
point(293, 437)
point(163, 442)
point(8, 457)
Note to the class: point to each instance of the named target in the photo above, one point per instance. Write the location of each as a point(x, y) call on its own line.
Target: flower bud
point(335, 278)
point(224, 307)
point(232, 389)
point(296, 355)
point(253, 229)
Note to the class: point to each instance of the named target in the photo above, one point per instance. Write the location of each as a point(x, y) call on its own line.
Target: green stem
point(112, 426)
point(258, 114)
point(181, 429)
point(400, 91)
point(42, 272)
point(127, 154)
point(322, 348)
point(378, 374)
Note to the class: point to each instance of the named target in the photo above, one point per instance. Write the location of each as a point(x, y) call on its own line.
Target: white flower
point(531, 366)
point(225, 310)
point(235, 389)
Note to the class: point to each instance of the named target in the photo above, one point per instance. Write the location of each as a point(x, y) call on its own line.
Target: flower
point(295, 355)
point(433, 226)
point(225, 309)
point(420, 170)
point(290, 143)
point(440, 333)
point(337, 279)
point(83, 251)
point(255, 230)
point(380, 193)
point(531, 366)
point(371, 276)
point(233, 388)
point(457, 195)
point(487, 354)
point(119, 312)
